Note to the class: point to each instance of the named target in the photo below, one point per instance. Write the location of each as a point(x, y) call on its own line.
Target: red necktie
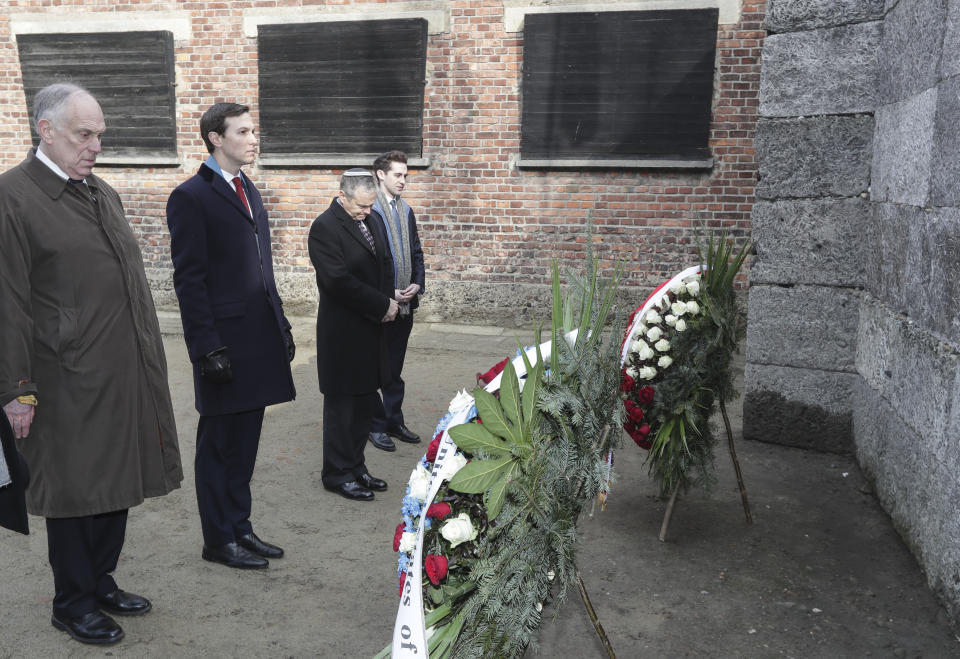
point(238, 184)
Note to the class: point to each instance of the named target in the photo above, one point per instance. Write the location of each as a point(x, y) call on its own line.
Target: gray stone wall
point(853, 340)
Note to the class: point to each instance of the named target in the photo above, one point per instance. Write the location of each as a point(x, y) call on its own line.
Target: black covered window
point(131, 74)
point(618, 85)
point(342, 87)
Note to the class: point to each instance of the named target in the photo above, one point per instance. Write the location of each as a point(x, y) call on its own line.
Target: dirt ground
point(820, 573)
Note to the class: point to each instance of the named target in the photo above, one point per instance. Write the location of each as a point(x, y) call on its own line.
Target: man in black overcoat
point(348, 249)
point(236, 333)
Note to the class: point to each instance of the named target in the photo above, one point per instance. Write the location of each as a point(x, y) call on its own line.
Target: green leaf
point(557, 319)
point(494, 498)
point(478, 476)
point(529, 402)
point(436, 595)
point(510, 394)
point(494, 420)
point(473, 437)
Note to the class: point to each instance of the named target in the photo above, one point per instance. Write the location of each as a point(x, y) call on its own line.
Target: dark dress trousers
point(223, 276)
point(389, 414)
point(355, 284)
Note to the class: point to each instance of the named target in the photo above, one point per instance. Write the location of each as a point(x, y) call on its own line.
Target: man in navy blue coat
point(236, 333)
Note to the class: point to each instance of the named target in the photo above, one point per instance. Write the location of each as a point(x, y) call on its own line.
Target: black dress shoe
point(372, 483)
point(351, 490)
point(404, 434)
point(94, 628)
point(382, 442)
point(122, 603)
point(233, 555)
point(251, 542)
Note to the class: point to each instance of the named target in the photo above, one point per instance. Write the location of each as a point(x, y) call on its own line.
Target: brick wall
point(489, 229)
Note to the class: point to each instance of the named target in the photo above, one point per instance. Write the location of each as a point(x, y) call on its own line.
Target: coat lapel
point(350, 226)
point(225, 190)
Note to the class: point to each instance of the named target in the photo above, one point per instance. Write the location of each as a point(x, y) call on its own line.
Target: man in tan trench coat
point(83, 377)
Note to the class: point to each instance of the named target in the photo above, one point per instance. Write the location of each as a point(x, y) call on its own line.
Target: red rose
point(403, 580)
point(645, 395)
point(396, 536)
point(434, 447)
point(636, 415)
point(439, 510)
point(436, 568)
point(629, 404)
point(480, 421)
point(627, 384)
point(493, 372)
point(641, 436)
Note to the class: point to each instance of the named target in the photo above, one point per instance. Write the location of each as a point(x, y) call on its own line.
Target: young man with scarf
point(408, 275)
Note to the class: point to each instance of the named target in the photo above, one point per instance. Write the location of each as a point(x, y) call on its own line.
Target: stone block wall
point(489, 228)
point(854, 313)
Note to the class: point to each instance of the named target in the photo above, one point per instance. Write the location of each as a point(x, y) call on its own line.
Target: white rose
point(645, 353)
point(408, 542)
point(678, 288)
point(632, 372)
point(654, 333)
point(670, 320)
point(652, 317)
point(693, 308)
point(641, 330)
point(419, 483)
point(680, 326)
point(662, 345)
point(452, 465)
point(635, 346)
point(647, 373)
point(460, 401)
point(679, 308)
point(693, 288)
point(459, 529)
point(664, 361)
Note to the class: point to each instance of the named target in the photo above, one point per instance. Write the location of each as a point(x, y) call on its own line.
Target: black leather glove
point(291, 346)
point(215, 366)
